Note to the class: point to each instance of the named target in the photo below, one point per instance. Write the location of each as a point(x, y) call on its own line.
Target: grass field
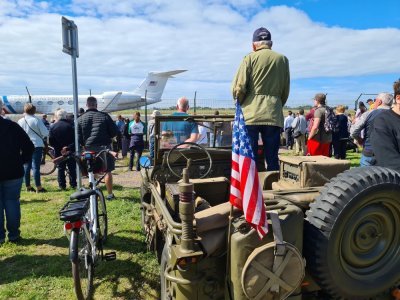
point(38, 267)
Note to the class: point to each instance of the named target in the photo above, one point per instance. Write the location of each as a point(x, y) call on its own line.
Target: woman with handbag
point(37, 132)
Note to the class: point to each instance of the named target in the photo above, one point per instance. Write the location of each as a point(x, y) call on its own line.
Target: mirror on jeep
point(145, 162)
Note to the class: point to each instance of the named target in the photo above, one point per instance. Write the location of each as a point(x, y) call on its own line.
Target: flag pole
point(228, 251)
point(228, 244)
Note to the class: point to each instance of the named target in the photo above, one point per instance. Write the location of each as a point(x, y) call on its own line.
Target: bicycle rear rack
point(74, 210)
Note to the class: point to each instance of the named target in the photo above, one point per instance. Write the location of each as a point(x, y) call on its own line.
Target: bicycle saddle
point(82, 194)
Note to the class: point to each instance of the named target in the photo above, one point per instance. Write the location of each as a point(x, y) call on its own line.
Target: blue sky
point(357, 14)
point(342, 48)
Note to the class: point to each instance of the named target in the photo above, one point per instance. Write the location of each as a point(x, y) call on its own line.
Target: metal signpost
point(70, 46)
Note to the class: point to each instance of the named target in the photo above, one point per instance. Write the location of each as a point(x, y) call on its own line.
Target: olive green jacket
point(262, 85)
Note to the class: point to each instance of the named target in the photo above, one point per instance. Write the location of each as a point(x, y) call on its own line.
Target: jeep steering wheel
point(191, 153)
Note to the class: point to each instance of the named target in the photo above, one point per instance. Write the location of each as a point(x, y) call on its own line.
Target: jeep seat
point(214, 190)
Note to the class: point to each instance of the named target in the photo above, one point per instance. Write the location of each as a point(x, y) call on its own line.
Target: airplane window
point(49, 102)
point(40, 102)
point(60, 102)
point(18, 103)
point(70, 102)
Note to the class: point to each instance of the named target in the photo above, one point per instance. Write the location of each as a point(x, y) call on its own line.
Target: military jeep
point(333, 232)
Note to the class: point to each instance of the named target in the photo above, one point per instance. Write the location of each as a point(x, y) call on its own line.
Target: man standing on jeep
point(319, 140)
point(261, 85)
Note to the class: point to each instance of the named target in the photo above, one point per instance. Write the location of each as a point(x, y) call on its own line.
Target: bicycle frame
point(87, 224)
point(91, 217)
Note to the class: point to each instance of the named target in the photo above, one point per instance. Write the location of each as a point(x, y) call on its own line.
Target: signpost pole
point(76, 110)
point(70, 46)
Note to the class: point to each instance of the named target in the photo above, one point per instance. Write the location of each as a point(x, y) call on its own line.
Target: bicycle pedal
point(110, 256)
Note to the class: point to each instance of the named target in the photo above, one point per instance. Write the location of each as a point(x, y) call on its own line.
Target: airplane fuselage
point(150, 89)
point(48, 104)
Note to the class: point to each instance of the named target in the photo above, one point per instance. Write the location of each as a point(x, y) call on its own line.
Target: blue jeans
point(34, 164)
point(270, 136)
point(132, 150)
point(151, 146)
point(10, 191)
point(367, 161)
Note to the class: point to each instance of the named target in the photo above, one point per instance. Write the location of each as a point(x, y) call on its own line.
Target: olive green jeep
point(332, 234)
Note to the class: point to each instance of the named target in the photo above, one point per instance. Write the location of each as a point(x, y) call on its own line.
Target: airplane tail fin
point(155, 83)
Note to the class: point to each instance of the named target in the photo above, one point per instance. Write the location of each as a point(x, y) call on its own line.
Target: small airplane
point(154, 84)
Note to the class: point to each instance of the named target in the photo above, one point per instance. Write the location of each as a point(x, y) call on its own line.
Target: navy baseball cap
point(261, 34)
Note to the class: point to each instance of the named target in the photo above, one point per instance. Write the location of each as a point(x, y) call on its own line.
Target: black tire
point(82, 266)
point(47, 166)
point(102, 219)
point(352, 244)
point(165, 285)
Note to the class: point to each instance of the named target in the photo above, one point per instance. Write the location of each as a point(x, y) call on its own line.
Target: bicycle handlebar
point(70, 154)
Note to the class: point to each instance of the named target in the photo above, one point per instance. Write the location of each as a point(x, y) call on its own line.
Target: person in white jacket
point(37, 132)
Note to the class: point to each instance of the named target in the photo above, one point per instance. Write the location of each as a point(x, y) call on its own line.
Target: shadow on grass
point(115, 272)
point(61, 242)
point(19, 267)
point(127, 244)
point(34, 201)
point(118, 187)
point(124, 276)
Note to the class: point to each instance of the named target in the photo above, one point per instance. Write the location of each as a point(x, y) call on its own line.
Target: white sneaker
point(110, 197)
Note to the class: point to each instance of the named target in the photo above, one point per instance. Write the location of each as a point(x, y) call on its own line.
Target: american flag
point(246, 191)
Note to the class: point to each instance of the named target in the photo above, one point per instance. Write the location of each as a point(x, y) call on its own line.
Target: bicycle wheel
point(82, 264)
point(102, 219)
point(47, 166)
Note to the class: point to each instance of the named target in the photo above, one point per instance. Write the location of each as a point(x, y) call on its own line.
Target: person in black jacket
point(341, 136)
point(96, 130)
point(62, 134)
point(362, 129)
point(385, 136)
point(16, 149)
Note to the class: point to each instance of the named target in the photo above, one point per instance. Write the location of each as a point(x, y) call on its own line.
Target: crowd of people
point(347, 132)
point(261, 87)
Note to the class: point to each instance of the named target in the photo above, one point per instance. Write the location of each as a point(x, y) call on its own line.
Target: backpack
point(331, 123)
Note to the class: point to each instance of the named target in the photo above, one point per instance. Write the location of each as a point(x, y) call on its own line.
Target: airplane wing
point(113, 100)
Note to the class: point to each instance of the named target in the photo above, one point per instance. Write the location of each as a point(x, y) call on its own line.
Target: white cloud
point(120, 41)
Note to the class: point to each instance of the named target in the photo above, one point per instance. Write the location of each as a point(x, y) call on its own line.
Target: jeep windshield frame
point(213, 123)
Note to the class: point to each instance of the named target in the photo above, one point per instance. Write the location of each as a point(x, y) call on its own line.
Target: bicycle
point(47, 165)
point(85, 217)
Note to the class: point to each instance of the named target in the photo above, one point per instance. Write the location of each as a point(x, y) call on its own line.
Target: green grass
point(38, 267)
point(354, 158)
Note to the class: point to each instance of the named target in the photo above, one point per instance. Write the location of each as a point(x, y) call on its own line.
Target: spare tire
point(352, 239)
